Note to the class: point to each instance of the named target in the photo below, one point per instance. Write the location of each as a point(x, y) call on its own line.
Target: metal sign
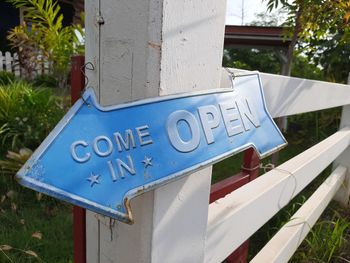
point(101, 157)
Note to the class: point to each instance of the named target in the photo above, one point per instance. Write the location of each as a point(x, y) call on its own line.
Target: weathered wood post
point(343, 195)
point(149, 48)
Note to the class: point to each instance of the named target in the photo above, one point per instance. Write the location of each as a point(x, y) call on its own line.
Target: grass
point(329, 240)
point(227, 168)
point(33, 230)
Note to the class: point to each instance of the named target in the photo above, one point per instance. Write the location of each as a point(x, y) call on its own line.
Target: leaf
point(3, 198)
point(22, 221)
point(37, 235)
point(5, 247)
point(13, 207)
point(31, 252)
point(39, 196)
point(347, 17)
point(11, 194)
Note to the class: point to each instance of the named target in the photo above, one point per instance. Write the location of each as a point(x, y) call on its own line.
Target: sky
point(250, 7)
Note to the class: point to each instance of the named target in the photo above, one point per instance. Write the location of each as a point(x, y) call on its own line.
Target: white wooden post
point(8, 61)
point(16, 67)
point(149, 48)
point(1, 62)
point(46, 67)
point(343, 195)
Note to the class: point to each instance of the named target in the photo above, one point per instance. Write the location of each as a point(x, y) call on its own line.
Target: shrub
point(45, 81)
point(27, 115)
point(14, 161)
point(6, 77)
point(46, 39)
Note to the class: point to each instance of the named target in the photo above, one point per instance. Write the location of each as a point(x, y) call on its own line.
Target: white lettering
point(109, 144)
point(111, 170)
point(230, 114)
point(128, 167)
point(173, 132)
point(143, 132)
point(127, 142)
point(209, 123)
point(74, 153)
point(248, 114)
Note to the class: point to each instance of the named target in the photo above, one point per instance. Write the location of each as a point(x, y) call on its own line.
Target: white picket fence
point(234, 218)
point(9, 62)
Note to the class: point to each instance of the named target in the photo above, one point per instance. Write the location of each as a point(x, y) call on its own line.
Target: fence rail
point(266, 195)
point(235, 217)
point(283, 245)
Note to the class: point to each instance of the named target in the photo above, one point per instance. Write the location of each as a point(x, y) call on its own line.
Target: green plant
point(45, 81)
point(25, 41)
point(29, 229)
point(325, 242)
point(6, 77)
point(312, 127)
point(4, 249)
point(14, 161)
point(27, 115)
point(46, 39)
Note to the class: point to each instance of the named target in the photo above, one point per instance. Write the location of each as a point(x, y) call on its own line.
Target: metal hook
point(232, 76)
point(86, 66)
point(84, 101)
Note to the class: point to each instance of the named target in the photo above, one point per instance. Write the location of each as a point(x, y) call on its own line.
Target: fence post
point(343, 195)
point(16, 67)
point(1, 62)
point(79, 220)
point(142, 49)
point(8, 61)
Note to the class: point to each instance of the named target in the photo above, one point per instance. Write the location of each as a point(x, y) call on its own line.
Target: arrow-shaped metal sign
point(101, 157)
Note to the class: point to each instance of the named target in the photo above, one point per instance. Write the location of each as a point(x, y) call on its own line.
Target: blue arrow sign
point(101, 157)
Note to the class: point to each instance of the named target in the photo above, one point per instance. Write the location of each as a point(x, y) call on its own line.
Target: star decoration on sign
point(147, 161)
point(93, 179)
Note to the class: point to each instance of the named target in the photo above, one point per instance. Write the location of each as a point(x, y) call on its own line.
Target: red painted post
point(251, 164)
point(250, 171)
point(79, 220)
point(240, 255)
point(226, 186)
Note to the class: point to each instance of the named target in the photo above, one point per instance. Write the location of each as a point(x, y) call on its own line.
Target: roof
point(255, 36)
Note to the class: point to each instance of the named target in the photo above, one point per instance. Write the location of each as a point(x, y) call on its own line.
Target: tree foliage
point(334, 57)
point(252, 59)
point(42, 37)
point(319, 19)
point(314, 22)
point(265, 60)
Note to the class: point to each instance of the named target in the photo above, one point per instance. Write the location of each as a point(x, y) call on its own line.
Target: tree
point(252, 59)
point(313, 20)
point(269, 19)
point(333, 55)
point(265, 60)
point(42, 37)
